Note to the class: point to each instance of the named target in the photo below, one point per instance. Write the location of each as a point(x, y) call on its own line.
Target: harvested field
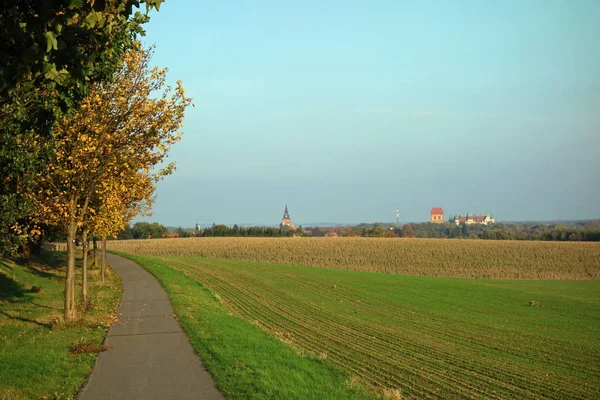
point(424, 257)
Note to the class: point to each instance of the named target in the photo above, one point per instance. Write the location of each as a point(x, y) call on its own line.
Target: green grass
point(34, 342)
point(418, 337)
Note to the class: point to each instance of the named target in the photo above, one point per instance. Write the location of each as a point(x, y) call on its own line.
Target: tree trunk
point(103, 258)
point(95, 242)
point(84, 288)
point(70, 309)
point(85, 245)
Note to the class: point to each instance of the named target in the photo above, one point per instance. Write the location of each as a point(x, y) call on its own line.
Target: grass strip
point(245, 361)
point(40, 356)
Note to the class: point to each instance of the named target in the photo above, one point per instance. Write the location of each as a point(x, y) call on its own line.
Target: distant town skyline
point(348, 110)
point(447, 218)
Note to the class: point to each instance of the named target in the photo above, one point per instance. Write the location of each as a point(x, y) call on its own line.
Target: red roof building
point(437, 215)
point(474, 219)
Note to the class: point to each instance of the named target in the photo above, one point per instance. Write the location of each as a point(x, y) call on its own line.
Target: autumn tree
point(107, 155)
point(120, 203)
point(51, 53)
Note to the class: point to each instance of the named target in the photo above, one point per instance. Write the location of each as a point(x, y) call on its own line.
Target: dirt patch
point(87, 346)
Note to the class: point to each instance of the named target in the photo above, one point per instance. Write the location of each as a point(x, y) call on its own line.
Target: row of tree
point(143, 230)
point(146, 230)
point(579, 231)
point(253, 231)
point(86, 124)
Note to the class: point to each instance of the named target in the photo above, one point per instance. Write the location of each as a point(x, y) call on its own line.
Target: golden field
point(426, 257)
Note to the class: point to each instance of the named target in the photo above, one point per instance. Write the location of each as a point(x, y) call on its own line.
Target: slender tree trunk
point(84, 287)
point(103, 258)
point(70, 308)
point(85, 244)
point(95, 242)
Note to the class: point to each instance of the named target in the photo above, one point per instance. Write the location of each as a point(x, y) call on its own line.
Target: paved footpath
point(151, 357)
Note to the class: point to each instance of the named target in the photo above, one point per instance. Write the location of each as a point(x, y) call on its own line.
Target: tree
point(377, 231)
point(350, 231)
point(146, 230)
point(389, 233)
point(116, 205)
point(408, 231)
point(126, 233)
point(106, 154)
point(51, 52)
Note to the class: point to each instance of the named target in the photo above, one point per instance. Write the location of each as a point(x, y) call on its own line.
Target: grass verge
point(40, 356)
point(245, 361)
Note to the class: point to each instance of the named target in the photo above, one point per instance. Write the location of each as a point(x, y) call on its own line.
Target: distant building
point(437, 215)
point(331, 234)
point(286, 221)
point(470, 219)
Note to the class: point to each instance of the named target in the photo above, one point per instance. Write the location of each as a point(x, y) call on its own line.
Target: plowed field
point(422, 337)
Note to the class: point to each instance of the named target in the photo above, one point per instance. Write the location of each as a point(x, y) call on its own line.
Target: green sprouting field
point(407, 336)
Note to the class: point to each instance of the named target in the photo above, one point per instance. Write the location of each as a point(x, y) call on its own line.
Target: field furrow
point(392, 340)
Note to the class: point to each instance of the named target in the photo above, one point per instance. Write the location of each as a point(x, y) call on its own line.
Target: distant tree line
point(143, 230)
point(253, 231)
point(578, 231)
point(146, 230)
point(581, 231)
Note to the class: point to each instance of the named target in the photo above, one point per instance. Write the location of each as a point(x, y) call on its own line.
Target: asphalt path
point(150, 356)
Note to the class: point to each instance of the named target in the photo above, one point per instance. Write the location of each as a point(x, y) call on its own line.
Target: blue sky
point(347, 110)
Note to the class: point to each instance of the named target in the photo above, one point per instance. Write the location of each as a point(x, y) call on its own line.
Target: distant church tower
point(286, 222)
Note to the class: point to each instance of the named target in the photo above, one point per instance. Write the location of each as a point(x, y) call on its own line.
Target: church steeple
point(286, 221)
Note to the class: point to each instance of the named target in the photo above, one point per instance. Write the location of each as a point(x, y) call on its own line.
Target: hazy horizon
point(205, 224)
point(348, 110)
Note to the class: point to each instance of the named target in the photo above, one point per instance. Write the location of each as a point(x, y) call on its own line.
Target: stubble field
point(424, 257)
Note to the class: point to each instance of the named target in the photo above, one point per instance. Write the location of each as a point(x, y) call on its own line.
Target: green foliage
point(50, 53)
point(253, 231)
point(578, 231)
point(126, 233)
point(65, 42)
point(147, 230)
point(378, 231)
